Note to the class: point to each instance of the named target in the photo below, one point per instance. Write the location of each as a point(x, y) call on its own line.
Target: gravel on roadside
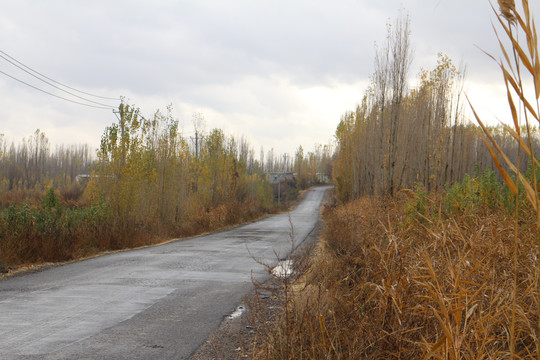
point(235, 337)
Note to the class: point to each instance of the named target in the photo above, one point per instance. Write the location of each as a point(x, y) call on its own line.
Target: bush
point(474, 192)
point(51, 231)
point(416, 207)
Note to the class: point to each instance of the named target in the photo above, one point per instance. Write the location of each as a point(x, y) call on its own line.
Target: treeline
point(309, 167)
point(32, 164)
point(149, 174)
point(398, 137)
point(314, 167)
point(151, 177)
point(146, 182)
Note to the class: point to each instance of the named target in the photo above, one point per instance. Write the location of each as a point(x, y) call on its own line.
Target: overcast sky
point(279, 72)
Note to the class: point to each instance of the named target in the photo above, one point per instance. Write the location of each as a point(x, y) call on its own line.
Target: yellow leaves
point(157, 177)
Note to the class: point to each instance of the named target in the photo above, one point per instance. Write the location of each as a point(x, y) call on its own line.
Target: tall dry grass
point(520, 67)
point(392, 283)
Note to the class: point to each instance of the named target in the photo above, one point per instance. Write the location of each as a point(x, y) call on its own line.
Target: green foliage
point(529, 173)
point(49, 219)
point(48, 232)
point(16, 221)
point(508, 199)
point(490, 189)
point(483, 190)
point(461, 197)
point(50, 200)
point(416, 207)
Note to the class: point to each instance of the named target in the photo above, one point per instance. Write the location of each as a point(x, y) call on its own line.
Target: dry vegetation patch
point(390, 284)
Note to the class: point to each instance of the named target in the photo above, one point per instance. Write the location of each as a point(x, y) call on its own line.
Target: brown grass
point(521, 65)
point(74, 229)
point(435, 288)
point(18, 196)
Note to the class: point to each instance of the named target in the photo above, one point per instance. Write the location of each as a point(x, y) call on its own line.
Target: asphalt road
point(160, 302)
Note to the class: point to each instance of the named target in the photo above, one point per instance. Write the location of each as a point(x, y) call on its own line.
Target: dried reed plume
point(508, 8)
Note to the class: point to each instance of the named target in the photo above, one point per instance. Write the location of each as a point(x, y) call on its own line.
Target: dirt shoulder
point(236, 336)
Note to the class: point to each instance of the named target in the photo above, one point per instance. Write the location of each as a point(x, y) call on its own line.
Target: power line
point(48, 83)
point(57, 96)
point(56, 82)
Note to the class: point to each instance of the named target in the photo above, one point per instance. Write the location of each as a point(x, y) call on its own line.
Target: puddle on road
point(283, 269)
point(237, 313)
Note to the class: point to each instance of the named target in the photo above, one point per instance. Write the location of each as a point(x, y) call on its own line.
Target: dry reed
point(521, 64)
point(385, 286)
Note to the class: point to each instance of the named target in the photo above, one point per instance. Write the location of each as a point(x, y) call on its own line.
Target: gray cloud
point(159, 48)
point(242, 60)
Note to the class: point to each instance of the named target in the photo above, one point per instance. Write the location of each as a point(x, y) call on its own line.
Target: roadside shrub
point(417, 207)
point(51, 231)
point(474, 192)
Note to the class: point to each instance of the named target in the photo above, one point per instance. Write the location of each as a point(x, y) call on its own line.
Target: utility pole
point(198, 122)
point(122, 130)
point(252, 182)
point(197, 139)
point(279, 190)
point(121, 116)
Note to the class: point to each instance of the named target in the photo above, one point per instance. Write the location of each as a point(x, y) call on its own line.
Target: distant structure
point(83, 179)
point(278, 177)
point(324, 178)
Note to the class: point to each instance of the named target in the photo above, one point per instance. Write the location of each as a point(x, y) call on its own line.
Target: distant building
point(323, 178)
point(83, 178)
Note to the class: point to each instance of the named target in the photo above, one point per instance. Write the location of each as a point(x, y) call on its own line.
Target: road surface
point(159, 302)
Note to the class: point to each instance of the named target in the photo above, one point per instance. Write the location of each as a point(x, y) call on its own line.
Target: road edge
point(234, 338)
